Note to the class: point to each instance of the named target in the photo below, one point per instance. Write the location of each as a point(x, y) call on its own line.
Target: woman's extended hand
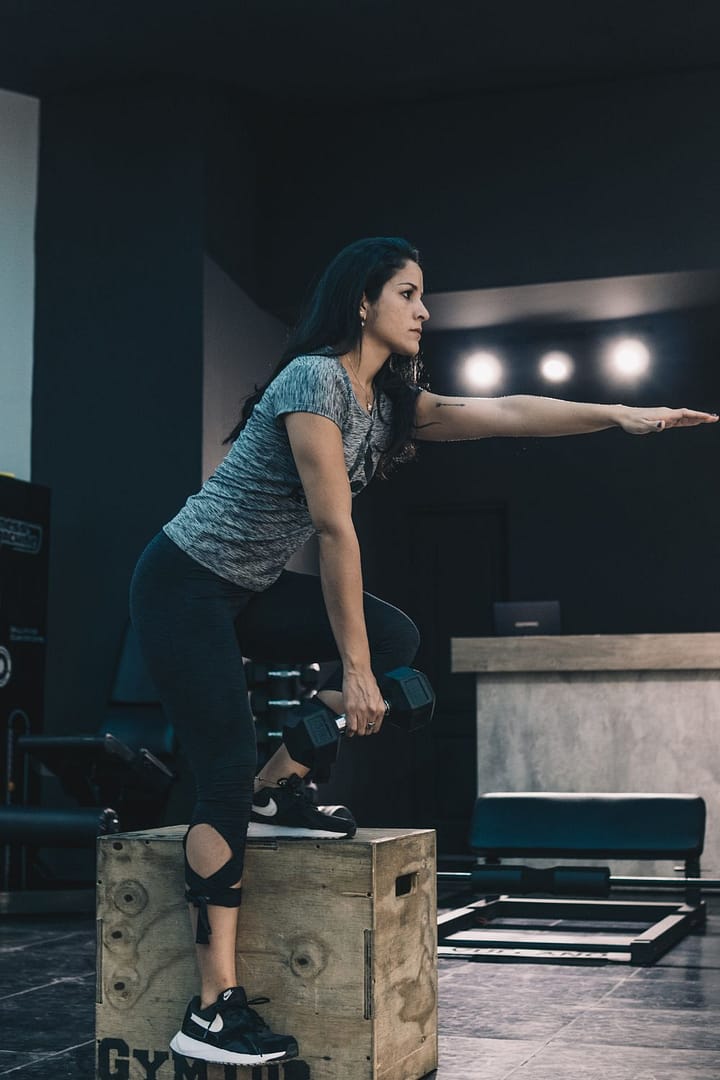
point(364, 704)
point(647, 421)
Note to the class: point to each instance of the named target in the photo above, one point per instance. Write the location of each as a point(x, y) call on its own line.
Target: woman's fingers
point(376, 722)
point(366, 722)
point(687, 418)
point(364, 705)
point(646, 421)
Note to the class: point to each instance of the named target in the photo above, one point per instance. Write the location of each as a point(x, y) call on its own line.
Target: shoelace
point(296, 787)
point(257, 1022)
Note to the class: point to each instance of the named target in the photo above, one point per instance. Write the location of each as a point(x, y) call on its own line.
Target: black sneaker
point(334, 811)
point(288, 810)
point(230, 1032)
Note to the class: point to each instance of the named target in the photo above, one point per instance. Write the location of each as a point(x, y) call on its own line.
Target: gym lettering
point(115, 1057)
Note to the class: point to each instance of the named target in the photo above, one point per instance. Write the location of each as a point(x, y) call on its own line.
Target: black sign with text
point(24, 557)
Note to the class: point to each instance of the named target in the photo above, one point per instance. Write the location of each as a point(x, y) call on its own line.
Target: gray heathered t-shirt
point(250, 516)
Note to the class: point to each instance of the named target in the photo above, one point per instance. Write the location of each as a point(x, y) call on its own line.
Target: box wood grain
point(339, 934)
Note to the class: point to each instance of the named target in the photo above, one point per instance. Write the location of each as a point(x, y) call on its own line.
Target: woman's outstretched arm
point(445, 419)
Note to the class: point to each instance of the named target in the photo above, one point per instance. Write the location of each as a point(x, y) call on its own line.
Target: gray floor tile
point(18, 937)
point(696, 950)
point(10, 1060)
point(481, 1059)
point(15, 928)
point(546, 978)
point(38, 963)
point(521, 1018)
point(514, 1002)
point(37, 1021)
point(75, 1064)
point(587, 1062)
point(668, 988)
point(675, 1029)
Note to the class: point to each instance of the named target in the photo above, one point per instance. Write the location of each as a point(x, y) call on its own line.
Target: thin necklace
point(369, 402)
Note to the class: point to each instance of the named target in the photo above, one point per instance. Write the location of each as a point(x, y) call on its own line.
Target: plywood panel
point(338, 934)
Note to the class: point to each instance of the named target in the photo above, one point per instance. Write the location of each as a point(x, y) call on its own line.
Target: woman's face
point(395, 320)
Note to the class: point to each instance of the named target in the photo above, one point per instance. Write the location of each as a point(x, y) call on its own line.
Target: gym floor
point(497, 1021)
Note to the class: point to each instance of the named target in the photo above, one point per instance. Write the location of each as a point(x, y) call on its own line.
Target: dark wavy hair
point(330, 323)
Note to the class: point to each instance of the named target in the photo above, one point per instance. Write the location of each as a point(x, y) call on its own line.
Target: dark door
point(444, 565)
point(456, 568)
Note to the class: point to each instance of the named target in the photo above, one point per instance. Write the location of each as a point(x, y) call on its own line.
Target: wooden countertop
point(587, 652)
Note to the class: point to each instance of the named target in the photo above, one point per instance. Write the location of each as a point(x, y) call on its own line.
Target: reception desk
point(631, 712)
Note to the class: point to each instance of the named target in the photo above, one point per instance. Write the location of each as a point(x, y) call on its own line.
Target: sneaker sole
point(200, 1051)
point(257, 828)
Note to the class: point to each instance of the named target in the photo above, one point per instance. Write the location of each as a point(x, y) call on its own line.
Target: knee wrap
point(215, 890)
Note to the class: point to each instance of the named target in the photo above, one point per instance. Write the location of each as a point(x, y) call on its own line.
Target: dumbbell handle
point(341, 721)
point(312, 732)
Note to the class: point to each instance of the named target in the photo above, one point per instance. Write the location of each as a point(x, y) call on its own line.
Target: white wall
point(242, 345)
point(19, 128)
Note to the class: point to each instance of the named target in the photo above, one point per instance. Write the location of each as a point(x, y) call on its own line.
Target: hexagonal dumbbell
point(313, 731)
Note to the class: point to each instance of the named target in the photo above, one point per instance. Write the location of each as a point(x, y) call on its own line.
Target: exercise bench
point(573, 920)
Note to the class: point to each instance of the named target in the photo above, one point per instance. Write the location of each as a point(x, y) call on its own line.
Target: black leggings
point(194, 627)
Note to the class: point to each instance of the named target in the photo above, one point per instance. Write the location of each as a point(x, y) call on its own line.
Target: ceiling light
point(628, 358)
point(484, 370)
point(556, 367)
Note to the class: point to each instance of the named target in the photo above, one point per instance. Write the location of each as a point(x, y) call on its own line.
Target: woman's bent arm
point(341, 579)
point(317, 448)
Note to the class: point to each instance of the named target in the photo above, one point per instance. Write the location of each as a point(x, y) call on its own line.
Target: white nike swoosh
point(215, 1025)
point(267, 811)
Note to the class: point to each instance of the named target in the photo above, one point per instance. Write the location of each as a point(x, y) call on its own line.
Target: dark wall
point(117, 407)
point(550, 184)
point(624, 531)
point(231, 221)
point(506, 188)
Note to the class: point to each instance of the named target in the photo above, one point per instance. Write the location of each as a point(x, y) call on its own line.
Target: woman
point(346, 400)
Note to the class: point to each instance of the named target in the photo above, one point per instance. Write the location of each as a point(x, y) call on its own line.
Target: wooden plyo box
point(339, 934)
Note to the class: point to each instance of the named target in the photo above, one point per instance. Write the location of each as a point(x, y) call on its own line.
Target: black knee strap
point(214, 890)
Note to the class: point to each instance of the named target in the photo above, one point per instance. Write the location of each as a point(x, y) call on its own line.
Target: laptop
point(527, 617)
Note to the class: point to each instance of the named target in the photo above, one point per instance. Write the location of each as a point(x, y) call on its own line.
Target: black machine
point(116, 778)
point(24, 559)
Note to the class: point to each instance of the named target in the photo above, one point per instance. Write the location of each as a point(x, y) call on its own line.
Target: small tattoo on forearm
point(449, 405)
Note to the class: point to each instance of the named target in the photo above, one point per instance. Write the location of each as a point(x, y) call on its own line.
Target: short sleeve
point(312, 384)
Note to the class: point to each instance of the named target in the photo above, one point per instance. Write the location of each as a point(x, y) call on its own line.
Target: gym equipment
point(120, 777)
point(276, 690)
point(576, 826)
point(75, 827)
point(287, 681)
point(312, 732)
point(24, 555)
point(101, 770)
